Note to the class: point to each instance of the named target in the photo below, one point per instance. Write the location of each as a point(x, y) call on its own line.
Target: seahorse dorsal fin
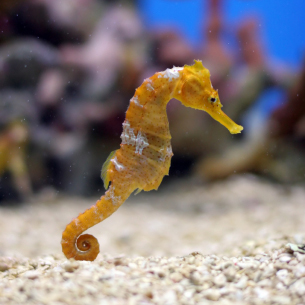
point(105, 168)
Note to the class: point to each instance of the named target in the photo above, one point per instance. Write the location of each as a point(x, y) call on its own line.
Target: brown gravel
point(233, 242)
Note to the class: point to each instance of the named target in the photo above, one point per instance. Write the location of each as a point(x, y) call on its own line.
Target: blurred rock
point(23, 61)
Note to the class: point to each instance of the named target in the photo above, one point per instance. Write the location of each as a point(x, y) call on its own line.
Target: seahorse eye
point(212, 99)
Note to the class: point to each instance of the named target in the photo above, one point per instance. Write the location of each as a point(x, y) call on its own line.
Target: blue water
point(282, 22)
point(281, 29)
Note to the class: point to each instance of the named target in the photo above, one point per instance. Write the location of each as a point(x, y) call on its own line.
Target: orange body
point(145, 153)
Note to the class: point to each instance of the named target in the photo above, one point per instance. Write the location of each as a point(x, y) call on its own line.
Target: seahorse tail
point(77, 246)
point(86, 247)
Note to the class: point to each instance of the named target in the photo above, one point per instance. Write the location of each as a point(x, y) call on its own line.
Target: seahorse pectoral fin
point(223, 119)
point(104, 174)
point(138, 191)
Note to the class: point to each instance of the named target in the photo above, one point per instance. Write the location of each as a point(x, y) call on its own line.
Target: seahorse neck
point(170, 78)
point(147, 109)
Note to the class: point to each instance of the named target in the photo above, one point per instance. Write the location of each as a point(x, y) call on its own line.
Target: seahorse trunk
point(86, 247)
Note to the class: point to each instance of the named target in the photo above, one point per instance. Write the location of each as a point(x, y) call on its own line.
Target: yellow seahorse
point(145, 153)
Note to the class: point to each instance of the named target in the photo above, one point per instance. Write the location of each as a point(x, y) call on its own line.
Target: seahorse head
point(196, 91)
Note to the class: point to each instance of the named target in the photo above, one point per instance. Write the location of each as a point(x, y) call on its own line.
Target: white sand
point(149, 248)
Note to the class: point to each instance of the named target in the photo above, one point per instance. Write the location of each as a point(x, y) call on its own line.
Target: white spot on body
point(95, 209)
point(162, 159)
point(110, 196)
point(118, 166)
point(136, 101)
point(149, 85)
point(141, 143)
point(171, 73)
point(167, 153)
point(97, 212)
point(128, 137)
point(76, 221)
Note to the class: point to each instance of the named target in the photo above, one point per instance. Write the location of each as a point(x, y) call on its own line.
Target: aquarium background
point(66, 82)
point(281, 24)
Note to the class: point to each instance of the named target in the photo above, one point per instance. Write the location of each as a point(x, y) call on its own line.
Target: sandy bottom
point(189, 244)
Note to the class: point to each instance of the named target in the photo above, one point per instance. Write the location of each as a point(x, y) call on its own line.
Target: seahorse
point(145, 153)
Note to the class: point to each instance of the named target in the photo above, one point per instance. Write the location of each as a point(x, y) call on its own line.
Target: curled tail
point(86, 247)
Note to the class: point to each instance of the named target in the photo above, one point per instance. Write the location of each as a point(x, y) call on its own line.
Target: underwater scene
point(197, 107)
